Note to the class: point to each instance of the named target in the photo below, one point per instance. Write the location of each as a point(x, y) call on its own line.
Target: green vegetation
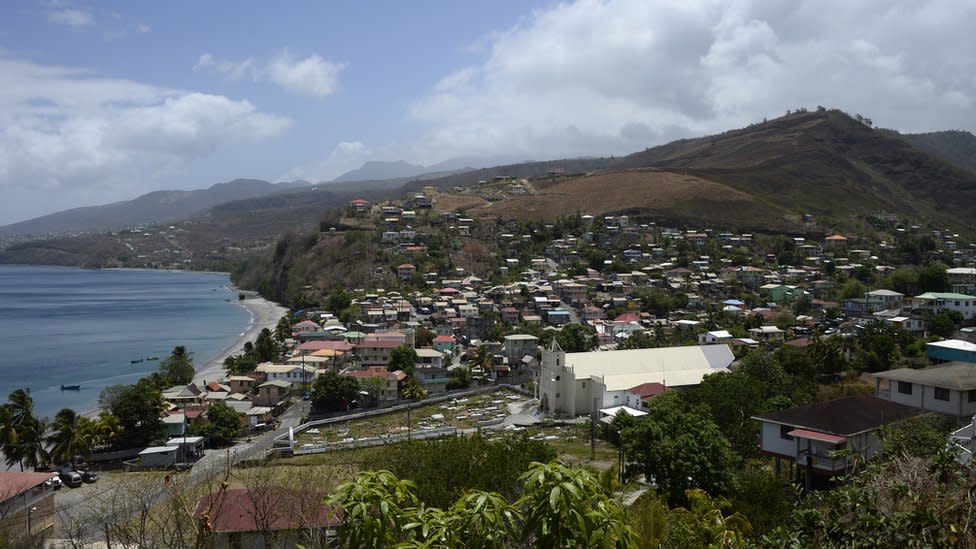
point(334, 392)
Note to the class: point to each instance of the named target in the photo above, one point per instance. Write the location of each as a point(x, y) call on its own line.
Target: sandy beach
point(264, 314)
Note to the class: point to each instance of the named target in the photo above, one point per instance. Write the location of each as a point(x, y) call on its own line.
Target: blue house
point(951, 350)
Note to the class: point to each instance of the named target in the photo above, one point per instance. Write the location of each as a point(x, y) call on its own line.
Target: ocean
point(68, 326)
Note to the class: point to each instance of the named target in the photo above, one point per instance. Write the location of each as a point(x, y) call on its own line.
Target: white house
point(948, 388)
point(934, 302)
point(571, 384)
point(716, 337)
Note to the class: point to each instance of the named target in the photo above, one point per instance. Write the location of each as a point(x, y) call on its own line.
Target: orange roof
point(836, 238)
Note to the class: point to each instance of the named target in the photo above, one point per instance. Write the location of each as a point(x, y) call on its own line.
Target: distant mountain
point(953, 146)
point(152, 208)
point(375, 170)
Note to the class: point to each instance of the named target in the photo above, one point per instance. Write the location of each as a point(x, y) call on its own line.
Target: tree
point(680, 448)
point(139, 409)
point(460, 378)
point(177, 368)
point(413, 391)
point(445, 469)
point(70, 437)
point(24, 435)
point(564, 507)
point(334, 392)
point(223, 424)
point(572, 338)
point(933, 278)
point(374, 508)
point(403, 358)
point(943, 323)
point(851, 289)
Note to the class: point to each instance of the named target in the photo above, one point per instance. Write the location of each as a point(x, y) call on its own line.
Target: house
point(242, 518)
point(290, 373)
point(948, 388)
point(158, 457)
point(445, 343)
point(429, 358)
point(516, 346)
point(888, 299)
point(962, 279)
point(811, 436)
point(767, 334)
point(374, 351)
point(571, 384)
point(716, 337)
point(951, 350)
point(406, 270)
point(26, 506)
point(273, 393)
point(389, 381)
point(241, 384)
point(933, 302)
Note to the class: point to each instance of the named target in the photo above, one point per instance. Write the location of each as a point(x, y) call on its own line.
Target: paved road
point(72, 505)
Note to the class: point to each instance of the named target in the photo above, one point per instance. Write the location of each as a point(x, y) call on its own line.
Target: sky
point(105, 101)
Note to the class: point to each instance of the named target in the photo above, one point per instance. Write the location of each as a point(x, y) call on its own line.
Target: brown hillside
point(670, 196)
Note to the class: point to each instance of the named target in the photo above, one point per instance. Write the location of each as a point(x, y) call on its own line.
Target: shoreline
point(264, 314)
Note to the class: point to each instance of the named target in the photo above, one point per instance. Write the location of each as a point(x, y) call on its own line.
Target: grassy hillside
point(824, 163)
point(955, 147)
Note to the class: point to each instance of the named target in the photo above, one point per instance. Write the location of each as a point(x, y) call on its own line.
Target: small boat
point(71, 387)
point(153, 357)
point(136, 361)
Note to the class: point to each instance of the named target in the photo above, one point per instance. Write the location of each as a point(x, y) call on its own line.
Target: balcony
point(822, 462)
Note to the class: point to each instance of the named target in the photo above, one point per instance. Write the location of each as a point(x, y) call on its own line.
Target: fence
point(369, 442)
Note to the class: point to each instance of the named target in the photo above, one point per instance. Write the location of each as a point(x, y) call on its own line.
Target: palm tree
point(412, 391)
point(8, 436)
point(23, 431)
point(71, 437)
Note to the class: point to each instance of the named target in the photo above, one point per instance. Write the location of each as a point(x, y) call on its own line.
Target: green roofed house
point(933, 302)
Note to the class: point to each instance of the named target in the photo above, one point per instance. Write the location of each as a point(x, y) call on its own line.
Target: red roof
point(335, 345)
point(647, 390)
point(13, 483)
point(449, 290)
point(800, 342)
point(628, 317)
point(444, 339)
point(379, 344)
point(814, 435)
point(238, 510)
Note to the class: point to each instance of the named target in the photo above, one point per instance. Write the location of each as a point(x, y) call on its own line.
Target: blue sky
point(104, 101)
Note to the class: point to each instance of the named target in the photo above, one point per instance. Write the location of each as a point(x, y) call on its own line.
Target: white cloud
point(232, 69)
point(142, 27)
point(614, 76)
point(71, 17)
point(68, 129)
point(312, 75)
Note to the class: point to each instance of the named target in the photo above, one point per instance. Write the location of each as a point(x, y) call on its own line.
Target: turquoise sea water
point(61, 325)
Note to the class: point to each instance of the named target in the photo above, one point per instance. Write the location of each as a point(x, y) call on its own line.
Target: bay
point(67, 326)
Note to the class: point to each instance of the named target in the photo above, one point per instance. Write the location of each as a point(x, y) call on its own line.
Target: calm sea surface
point(61, 325)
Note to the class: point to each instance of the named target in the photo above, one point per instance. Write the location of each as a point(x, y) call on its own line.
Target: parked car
point(53, 482)
point(70, 478)
point(89, 476)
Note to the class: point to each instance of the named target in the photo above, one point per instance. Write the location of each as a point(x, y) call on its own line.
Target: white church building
point(572, 384)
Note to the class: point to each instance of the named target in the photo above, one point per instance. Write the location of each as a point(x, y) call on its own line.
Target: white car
point(53, 482)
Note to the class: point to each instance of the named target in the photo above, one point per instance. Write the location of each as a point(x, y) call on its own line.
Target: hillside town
point(590, 318)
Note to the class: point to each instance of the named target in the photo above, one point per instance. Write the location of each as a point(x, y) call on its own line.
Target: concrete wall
point(772, 442)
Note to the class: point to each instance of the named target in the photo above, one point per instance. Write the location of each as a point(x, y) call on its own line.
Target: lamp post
point(30, 512)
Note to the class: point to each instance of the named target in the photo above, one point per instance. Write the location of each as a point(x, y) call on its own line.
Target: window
point(972, 395)
point(941, 393)
point(904, 387)
point(784, 432)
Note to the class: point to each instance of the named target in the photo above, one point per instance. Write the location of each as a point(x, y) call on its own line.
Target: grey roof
point(959, 376)
point(845, 416)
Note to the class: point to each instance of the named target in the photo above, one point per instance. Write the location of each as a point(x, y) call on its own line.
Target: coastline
point(264, 314)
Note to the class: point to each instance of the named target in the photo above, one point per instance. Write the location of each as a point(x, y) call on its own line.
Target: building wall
point(770, 441)
point(943, 354)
